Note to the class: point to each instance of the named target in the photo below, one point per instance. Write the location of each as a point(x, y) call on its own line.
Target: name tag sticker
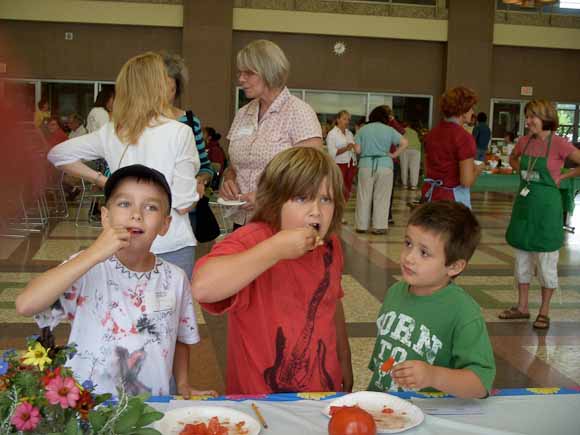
point(524, 192)
point(158, 301)
point(245, 131)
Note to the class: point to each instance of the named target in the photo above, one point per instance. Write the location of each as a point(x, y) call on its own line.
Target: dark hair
point(511, 135)
point(138, 173)
point(457, 101)
point(481, 117)
point(212, 133)
point(42, 102)
point(454, 222)
point(103, 97)
point(380, 114)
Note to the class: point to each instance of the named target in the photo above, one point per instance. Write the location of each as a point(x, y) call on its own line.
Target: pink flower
point(26, 417)
point(62, 391)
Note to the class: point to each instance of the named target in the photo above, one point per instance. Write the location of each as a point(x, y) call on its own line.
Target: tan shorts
point(542, 264)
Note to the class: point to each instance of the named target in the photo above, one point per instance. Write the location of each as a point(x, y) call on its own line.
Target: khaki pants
point(410, 163)
point(373, 194)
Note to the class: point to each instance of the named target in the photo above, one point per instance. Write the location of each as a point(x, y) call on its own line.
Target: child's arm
point(343, 348)
point(44, 290)
point(462, 383)
point(222, 277)
point(181, 373)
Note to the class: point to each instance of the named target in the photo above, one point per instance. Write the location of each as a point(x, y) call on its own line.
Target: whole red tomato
point(351, 420)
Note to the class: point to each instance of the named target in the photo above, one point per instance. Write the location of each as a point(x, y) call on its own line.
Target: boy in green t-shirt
point(432, 329)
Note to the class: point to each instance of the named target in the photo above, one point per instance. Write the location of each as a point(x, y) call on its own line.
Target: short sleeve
point(233, 244)
point(331, 143)
point(187, 331)
point(65, 307)
point(520, 145)
point(472, 350)
point(396, 137)
point(465, 146)
point(303, 123)
point(565, 148)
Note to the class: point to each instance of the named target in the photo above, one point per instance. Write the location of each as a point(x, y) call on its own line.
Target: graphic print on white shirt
point(126, 324)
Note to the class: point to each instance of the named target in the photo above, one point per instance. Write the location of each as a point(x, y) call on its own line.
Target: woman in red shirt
point(450, 151)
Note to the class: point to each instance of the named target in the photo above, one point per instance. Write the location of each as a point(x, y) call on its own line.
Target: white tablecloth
point(507, 415)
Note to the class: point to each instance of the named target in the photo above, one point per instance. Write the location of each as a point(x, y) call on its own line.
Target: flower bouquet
point(38, 394)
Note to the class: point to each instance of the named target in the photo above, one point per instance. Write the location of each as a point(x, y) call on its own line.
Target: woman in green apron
point(535, 228)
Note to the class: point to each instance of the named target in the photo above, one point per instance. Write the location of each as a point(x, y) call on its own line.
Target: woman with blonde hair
point(535, 229)
point(142, 132)
point(273, 121)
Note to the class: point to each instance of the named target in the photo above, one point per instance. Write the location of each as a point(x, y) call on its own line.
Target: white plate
point(230, 202)
point(374, 403)
point(478, 162)
point(174, 421)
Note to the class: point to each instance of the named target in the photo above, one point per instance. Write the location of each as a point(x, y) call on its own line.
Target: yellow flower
point(314, 396)
point(543, 390)
point(36, 356)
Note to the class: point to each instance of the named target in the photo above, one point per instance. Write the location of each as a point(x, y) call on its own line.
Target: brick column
point(470, 47)
point(206, 48)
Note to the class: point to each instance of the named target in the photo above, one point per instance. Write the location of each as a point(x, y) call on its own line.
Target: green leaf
point(128, 419)
point(148, 418)
point(72, 428)
point(97, 420)
point(101, 398)
point(146, 431)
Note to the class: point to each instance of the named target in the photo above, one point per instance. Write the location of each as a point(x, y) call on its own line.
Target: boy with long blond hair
point(279, 280)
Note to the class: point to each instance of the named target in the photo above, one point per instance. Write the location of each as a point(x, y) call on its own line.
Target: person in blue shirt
point(482, 135)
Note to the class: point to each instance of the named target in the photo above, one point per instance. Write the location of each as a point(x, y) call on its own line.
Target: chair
point(89, 196)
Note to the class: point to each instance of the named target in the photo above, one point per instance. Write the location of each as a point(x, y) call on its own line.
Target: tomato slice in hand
point(388, 365)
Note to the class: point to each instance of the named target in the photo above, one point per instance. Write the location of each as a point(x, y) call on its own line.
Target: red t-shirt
point(559, 152)
point(281, 330)
point(446, 145)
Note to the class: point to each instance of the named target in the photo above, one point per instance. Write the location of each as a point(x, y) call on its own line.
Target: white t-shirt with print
point(125, 325)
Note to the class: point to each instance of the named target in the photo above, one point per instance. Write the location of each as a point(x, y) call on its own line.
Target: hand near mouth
point(111, 240)
point(295, 243)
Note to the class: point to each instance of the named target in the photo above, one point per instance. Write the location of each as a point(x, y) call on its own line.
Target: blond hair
point(297, 171)
point(546, 111)
point(266, 59)
point(141, 96)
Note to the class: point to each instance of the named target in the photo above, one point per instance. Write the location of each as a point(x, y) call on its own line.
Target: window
point(66, 98)
point(506, 117)
point(326, 104)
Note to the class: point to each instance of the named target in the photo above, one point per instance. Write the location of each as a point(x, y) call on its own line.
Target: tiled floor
point(524, 356)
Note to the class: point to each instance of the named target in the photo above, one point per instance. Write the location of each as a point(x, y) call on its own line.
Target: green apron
point(536, 222)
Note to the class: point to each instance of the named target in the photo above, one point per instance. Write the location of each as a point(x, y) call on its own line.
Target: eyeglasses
point(246, 73)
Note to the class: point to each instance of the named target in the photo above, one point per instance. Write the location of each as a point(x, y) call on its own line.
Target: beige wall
point(97, 51)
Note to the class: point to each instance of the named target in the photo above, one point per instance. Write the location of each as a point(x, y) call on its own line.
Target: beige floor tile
point(361, 350)
point(60, 250)
point(359, 304)
point(68, 229)
point(564, 358)
point(8, 246)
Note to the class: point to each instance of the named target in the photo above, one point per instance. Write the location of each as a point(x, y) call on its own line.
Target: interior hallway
point(525, 357)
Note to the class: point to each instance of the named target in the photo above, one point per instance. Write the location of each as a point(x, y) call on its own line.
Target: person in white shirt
point(131, 313)
point(100, 114)
point(75, 123)
point(142, 132)
point(341, 146)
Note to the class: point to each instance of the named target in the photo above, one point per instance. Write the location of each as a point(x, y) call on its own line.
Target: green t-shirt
point(444, 329)
point(413, 138)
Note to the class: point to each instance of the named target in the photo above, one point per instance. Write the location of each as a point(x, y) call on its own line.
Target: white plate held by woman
point(230, 202)
point(391, 414)
point(174, 421)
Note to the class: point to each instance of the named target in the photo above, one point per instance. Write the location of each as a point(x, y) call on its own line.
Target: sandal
point(513, 313)
point(542, 322)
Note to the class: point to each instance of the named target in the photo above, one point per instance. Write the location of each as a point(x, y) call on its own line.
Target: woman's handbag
point(206, 227)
